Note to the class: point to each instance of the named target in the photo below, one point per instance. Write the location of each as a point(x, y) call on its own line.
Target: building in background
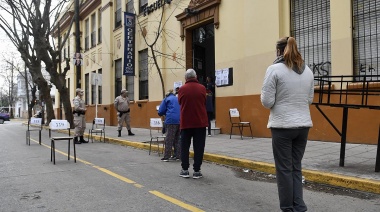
point(21, 105)
point(231, 41)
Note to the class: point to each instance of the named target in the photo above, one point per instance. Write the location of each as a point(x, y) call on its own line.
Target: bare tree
point(30, 31)
point(157, 31)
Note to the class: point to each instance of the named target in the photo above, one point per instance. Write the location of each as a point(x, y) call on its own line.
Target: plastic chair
point(236, 122)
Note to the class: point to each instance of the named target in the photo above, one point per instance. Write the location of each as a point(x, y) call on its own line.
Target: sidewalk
point(320, 163)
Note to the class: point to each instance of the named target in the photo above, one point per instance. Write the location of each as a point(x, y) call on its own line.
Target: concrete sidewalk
point(320, 163)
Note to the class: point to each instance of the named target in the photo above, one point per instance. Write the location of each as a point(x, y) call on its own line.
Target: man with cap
point(79, 118)
point(122, 107)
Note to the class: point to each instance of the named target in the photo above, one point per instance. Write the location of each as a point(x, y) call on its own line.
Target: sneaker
point(173, 158)
point(209, 135)
point(164, 159)
point(184, 174)
point(197, 175)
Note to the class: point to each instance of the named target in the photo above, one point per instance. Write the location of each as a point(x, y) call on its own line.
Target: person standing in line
point(169, 108)
point(193, 123)
point(288, 91)
point(121, 104)
point(209, 109)
point(79, 118)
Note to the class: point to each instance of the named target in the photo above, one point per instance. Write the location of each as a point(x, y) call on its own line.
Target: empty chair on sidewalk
point(98, 126)
point(156, 134)
point(237, 122)
point(34, 124)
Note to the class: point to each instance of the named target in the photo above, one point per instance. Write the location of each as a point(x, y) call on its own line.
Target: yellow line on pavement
point(124, 179)
point(176, 202)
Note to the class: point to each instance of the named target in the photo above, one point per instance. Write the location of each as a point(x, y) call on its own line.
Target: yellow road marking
point(156, 193)
point(175, 201)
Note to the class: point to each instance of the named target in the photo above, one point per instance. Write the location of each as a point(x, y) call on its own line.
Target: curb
point(356, 183)
point(344, 181)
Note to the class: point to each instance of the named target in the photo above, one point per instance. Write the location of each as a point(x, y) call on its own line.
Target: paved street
point(110, 177)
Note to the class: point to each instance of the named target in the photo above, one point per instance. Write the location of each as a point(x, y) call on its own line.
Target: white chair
point(56, 124)
point(236, 122)
point(98, 126)
point(156, 134)
point(34, 124)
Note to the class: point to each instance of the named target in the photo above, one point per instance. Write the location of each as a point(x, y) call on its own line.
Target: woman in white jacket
point(288, 91)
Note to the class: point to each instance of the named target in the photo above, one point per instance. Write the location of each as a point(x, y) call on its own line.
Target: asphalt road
point(110, 177)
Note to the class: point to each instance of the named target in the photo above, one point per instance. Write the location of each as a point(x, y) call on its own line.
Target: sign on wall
point(129, 44)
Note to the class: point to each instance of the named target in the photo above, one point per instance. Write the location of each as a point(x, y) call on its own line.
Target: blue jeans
point(288, 149)
point(199, 140)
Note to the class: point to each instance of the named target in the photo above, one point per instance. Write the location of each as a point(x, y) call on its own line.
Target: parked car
point(4, 117)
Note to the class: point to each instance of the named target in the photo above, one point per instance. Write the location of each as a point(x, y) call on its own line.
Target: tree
point(159, 30)
point(30, 32)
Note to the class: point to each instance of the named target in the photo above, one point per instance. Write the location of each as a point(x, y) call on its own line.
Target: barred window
point(131, 87)
point(118, 77)
point(142, 5)
point(311, 28)
point(366, 35)
point(118, 14)
point(130, 8)
point(99, 26)
point(93, 90)
point(86, 88)
point(143, 74)
point(86, 34)
point(100, 89)
point(93, 30)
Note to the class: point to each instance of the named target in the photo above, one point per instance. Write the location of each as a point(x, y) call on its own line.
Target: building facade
point(232, 43)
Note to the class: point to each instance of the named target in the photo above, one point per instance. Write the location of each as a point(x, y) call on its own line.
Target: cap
point(123, 91)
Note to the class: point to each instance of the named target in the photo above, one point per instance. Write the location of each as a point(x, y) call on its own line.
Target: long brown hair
point(288, 48)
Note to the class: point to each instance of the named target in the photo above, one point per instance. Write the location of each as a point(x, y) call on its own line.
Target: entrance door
point(204, 56)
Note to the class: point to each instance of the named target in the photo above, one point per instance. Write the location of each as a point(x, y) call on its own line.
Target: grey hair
point(190, 73)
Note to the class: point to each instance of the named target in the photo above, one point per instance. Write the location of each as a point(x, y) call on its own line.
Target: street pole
point(77, 43)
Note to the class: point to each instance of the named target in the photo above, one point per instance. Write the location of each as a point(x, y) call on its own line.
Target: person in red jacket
point(193, 122)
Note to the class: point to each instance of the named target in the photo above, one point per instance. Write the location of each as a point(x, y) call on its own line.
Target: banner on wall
point(129, 44)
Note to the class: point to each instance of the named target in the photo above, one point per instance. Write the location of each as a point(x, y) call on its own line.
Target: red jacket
point(192, 100)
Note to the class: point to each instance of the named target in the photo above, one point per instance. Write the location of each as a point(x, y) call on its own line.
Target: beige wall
point(245, 41)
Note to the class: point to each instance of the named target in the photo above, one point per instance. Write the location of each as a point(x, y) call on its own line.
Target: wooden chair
point(34, 124)
point(236, 122)
point(56, 124)
point(98, 126)
point(156, 134)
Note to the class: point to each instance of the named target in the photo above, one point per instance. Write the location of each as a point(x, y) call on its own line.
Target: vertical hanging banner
point(129, 44)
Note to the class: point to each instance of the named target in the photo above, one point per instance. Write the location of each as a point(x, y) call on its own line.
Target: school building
point(143, 45)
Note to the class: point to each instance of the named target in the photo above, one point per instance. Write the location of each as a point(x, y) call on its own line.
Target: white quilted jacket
point(288, 95)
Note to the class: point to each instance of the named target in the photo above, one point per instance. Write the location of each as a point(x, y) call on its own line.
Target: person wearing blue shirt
point(170, 108)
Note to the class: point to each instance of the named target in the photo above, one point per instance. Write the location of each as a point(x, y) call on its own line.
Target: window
point(68, 86)
point(86, 88)
point(311, 28)
point(118, 77)
point(86, 44)
point(93, 30)
point(143, 74)
point(131, 87)
point(100, 26)
point(130, 8)
point(366, 35)
point(100, 89)
point(93, 91)
point(118, 14)
point(142, 5)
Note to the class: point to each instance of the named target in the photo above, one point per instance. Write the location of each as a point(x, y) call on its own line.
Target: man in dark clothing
point(193, 122)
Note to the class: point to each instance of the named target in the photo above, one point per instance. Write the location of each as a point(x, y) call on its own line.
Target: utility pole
point(77, 43)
